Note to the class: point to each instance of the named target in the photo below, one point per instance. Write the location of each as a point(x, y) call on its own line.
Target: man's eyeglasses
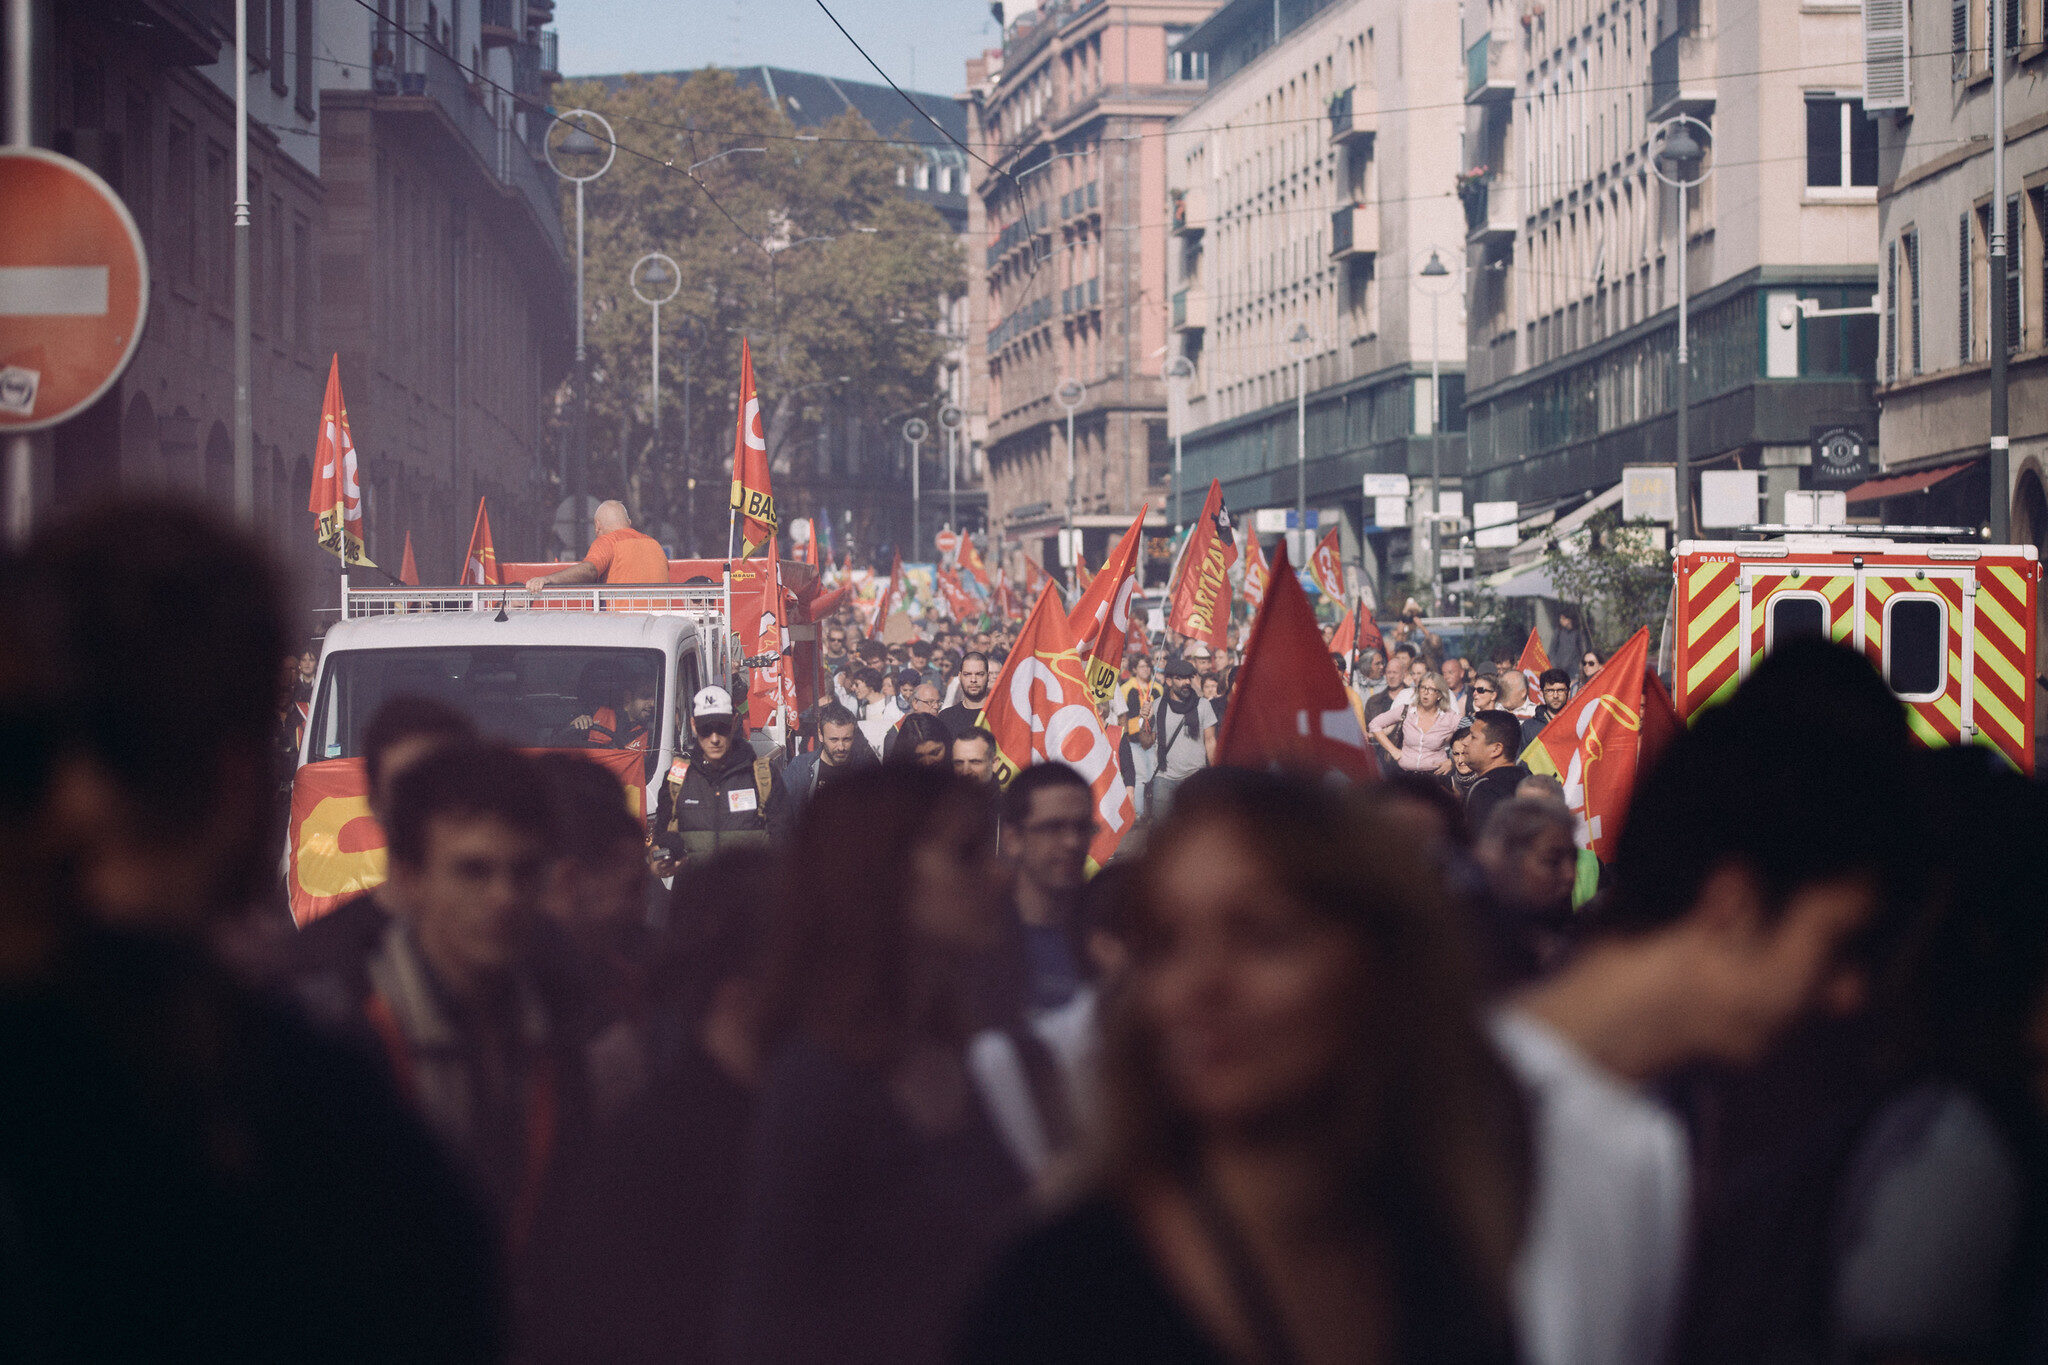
point(707, 728)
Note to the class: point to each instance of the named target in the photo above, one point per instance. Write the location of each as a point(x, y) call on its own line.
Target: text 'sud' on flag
point(1599, 743)
point(752, 497)
point(1288, 706)
point(336, 501)
point(1040, 710)
point(1200, 606)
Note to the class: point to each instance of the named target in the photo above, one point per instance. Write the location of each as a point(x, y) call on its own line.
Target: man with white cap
point(717, 794)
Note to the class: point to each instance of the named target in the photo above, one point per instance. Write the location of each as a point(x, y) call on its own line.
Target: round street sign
point(74, 288)
point(946, 541)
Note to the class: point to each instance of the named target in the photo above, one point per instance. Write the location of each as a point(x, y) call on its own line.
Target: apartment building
point(1935, 216)
point(1308, 191)
point(1071, 115)
point(1573, 240)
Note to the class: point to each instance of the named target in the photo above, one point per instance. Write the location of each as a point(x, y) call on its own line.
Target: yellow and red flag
point(1534, 663)
point(408, 572)
point(337, 496)
point(480, 561)
point(1258, 575)
point(1200, 601)
point(1102, 618)
point(1288, 706)
point(1040, 711)
point(1602, 739)
point(753, 500)
point(1326, 567)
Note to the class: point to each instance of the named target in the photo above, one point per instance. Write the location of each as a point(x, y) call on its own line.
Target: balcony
point(1354, 231)
point(501, 21)
point(419, 78)
point(1488, 79)
point(1190, 310)
point(1186, 213)
point(1352, 116)
point(550, 54)
point(1489, 215)
point(1682, 77)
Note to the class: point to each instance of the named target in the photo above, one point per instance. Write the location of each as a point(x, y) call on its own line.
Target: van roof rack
point(1864, 529)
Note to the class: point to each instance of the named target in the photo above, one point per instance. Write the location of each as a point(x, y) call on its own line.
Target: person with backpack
point(718, 794)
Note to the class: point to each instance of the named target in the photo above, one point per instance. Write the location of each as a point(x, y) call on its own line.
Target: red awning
point(1919, 481)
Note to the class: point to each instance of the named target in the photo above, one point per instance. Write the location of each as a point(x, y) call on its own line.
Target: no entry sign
point(74, 288)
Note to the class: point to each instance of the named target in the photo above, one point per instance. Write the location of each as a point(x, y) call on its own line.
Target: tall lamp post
point(578, 141)
point(950, 420)
point(1179, 371)
point(1439, 277)
point(1302, 343)
point(1681, 163)
point(658, 273)
point(1069, 395)
point(915, 431)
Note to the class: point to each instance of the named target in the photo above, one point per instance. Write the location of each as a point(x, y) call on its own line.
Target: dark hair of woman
point(919, 728)
point(1419, 1130)
point(845, 963)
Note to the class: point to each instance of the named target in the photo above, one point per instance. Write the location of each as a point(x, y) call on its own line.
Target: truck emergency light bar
point(668, 600)
point(1888, 532)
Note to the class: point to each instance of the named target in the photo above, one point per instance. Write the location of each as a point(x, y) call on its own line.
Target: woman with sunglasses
point(1427, 726)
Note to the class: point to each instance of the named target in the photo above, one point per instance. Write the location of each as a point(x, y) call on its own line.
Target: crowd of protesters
point(851, 1059)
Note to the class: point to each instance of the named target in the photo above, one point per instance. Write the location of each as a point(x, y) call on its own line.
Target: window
point(1958, 39)
point(259, 35)
point(1909, 249)
point(302, 51)
point(1794, 616)
point(180, 227)
point(1184, 66)
point(139, 183)
point(924, 175)
point(1916, 646)
point(258, 258)
point(216, 223)
point(277, 44)
point(1841, 143)
point(2015, 277)
point(1964, 301)
point(302, 281)
point(273, 283)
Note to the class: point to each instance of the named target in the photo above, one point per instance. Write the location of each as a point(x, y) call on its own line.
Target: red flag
point(1257, 575)
point(1369, 636)
point(1201, 595)
point(1081, 575)
point(1346, 638)
point(753, 501)
point(891, 596)
point(811, 546)
point(408, 572)
point(960, 602)
point(337, 495)
point(1326, 567)
point(1040, 711)
point(771, 691)
point(1534, 662)
point(1032, 573)
point(1595, 745)
point(480, 562)
point(1102, 618)
point(1288, 705)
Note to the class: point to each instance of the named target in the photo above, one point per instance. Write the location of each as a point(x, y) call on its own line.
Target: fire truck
point(1947, 621)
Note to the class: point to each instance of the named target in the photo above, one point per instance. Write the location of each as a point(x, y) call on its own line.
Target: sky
point(923, 44)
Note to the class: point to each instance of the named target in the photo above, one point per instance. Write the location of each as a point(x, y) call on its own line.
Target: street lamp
point(578, 141)
point(915, 431)
point(663, 278)
point(1179, 371)
point(1439, 277)
point(1681, 163)
point(1069, 395)
point(950, 420)
point(1303, 343)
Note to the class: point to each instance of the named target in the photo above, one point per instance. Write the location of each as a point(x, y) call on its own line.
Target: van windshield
point(531, 696)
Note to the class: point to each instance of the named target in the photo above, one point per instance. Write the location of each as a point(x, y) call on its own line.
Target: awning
point(1533, 581)
point(1919, 481)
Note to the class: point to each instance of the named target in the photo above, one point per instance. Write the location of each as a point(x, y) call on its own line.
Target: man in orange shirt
point(620, 554)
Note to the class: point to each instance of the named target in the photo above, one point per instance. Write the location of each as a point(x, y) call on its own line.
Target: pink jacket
point(1423, 750)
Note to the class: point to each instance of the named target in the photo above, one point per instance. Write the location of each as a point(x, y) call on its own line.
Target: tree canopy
point(865, 302)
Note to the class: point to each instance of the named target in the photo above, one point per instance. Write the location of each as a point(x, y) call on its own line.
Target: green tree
point(864, 302)
point(1617, 574)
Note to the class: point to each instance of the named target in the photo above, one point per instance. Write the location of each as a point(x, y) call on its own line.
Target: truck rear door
point(1917, 624)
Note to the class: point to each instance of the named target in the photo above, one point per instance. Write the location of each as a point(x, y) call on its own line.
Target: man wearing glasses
point(1048, 823)
point(717, 794)
point(835, 649)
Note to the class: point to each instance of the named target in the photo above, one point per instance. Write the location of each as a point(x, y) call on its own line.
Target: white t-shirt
point(1600, 1272)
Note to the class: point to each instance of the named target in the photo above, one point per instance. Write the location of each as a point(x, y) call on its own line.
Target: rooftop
point(812, 100)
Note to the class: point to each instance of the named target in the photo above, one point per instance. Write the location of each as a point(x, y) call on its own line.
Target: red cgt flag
point(1346, 638)
point(1200, 606)
point(408, 571)
point(337, 496)
point(1257, 574)
point(960, 602)
point(1326, 567)
point(1599, 742)
point(1534, 663)
point(753, 500)
point(1040, 711)
point(480, 561)
point(1102, 618)
point(1288, 706)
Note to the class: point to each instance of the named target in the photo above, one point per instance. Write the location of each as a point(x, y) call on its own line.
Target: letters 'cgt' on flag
point(1326, 567)
point(1040, 711)
point(1288, 706)
point(1200, 607)
point(1257, 575)
point(1102, 618)
point(1603, 738)
point(480, 560)
point(1534, 663)
point(753, 500)
point(337, 497)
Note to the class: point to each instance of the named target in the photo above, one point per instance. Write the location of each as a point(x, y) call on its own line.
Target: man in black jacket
point(718, 794)
point(1491, 751)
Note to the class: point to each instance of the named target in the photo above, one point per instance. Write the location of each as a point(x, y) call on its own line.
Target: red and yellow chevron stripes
point(1838, 589)
point(1709, 612)
point(2004, 665)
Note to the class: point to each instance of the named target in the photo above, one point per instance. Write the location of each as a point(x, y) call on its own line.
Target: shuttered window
point(2015, 277)
point(1891, 311)
point(1887, 77)
point(1963, 300)
point(1958, 39)
point(1909, 247)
